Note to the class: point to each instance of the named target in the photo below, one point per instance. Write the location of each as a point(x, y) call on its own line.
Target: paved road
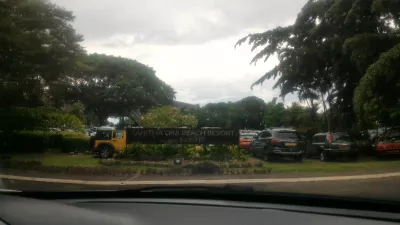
point(379, 188)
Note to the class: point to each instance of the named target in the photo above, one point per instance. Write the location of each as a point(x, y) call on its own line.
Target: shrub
point(168, 117)
point(160, 151)
point(19, 118)
point(203, 168)
point(40, 141)
point(220, 153)
point(73, 142)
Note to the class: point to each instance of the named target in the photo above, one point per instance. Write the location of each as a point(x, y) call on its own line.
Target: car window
point(341, 137)
point(119, 134)
point(319, 138)
point(287, 135)
point(103, 134)
point(264, 134)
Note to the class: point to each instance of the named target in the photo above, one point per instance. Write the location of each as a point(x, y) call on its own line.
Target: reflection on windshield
point(287, 135)
point(121, 91)
point(342, 138)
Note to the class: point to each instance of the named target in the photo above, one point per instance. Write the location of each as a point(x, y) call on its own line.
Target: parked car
point(278, 142)
point(246, 139)
point(332, 145)
point(388, 145)
point(364, 142)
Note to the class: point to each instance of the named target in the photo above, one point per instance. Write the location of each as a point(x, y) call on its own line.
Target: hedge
point(40, 141)
point(189, 169)
point(163, 152)
point(21, 118)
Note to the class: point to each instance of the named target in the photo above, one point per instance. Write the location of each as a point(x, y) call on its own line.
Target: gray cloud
point(134, 28)
point(176, 21)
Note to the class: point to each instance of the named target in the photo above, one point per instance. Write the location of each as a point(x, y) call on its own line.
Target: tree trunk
point(102, 119)
point(121, 122)
point(325, 111)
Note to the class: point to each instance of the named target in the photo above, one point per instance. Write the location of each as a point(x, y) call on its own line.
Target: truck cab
point(108, 141)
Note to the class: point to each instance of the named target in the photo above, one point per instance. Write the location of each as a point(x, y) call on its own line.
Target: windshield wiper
point(179, 188)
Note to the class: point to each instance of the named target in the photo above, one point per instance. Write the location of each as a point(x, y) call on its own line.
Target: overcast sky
point(190, 44)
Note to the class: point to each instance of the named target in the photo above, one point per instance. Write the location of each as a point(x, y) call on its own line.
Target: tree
point(275, 114)
point(377, 98)
point(38, 46)
point(327, 51)
point(115, 86)
point(215, 115)
point(168, 117)
point(40, 118)
point(77, 109)
point(248, 113)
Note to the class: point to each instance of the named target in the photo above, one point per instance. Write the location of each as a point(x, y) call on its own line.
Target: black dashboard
point(166, 211)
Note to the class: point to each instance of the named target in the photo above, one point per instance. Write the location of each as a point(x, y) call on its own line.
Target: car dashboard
point(149, 211)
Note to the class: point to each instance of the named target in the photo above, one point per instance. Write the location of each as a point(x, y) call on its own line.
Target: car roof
point(325, 133)
point(105, 128)
point(280, 129)
point(247, 134)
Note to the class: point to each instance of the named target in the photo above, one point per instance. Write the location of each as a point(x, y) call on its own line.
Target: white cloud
point(190, 44)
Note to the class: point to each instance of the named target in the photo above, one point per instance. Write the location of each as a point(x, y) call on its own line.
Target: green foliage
point(275, 114)
point(19, 118)
point(73, 142)
point(246, 113)
point(77, 109)
point(162, 152)
point(327, 51)
point(222, 153)
point(254, 113)
point(40, 141)
point(115, 86)
point(378, 95)
point(42, 64)
point(38, 47)
point(168, 117)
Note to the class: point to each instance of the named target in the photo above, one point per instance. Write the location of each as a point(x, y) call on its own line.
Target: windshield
point(342, 138)
point(170, 92)
point(287, 135)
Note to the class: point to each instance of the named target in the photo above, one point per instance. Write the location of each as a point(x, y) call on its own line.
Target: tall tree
point(115, 86)
point(245, 113)
point(328, 50)
point(38, 46)
point(248, 113)
point(275, 114)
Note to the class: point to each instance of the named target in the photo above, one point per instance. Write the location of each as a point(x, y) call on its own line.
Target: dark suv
point(331, 145)
point(278, 142)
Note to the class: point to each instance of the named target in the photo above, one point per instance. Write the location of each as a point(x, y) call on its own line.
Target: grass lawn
point(51, 159)
point(318, 166)
point(64, 160)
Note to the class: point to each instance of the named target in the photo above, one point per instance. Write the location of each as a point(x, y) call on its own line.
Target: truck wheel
point(106, 151)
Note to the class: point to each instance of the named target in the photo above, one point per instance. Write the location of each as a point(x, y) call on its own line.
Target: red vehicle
point(246, 140)
point(388, 145)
